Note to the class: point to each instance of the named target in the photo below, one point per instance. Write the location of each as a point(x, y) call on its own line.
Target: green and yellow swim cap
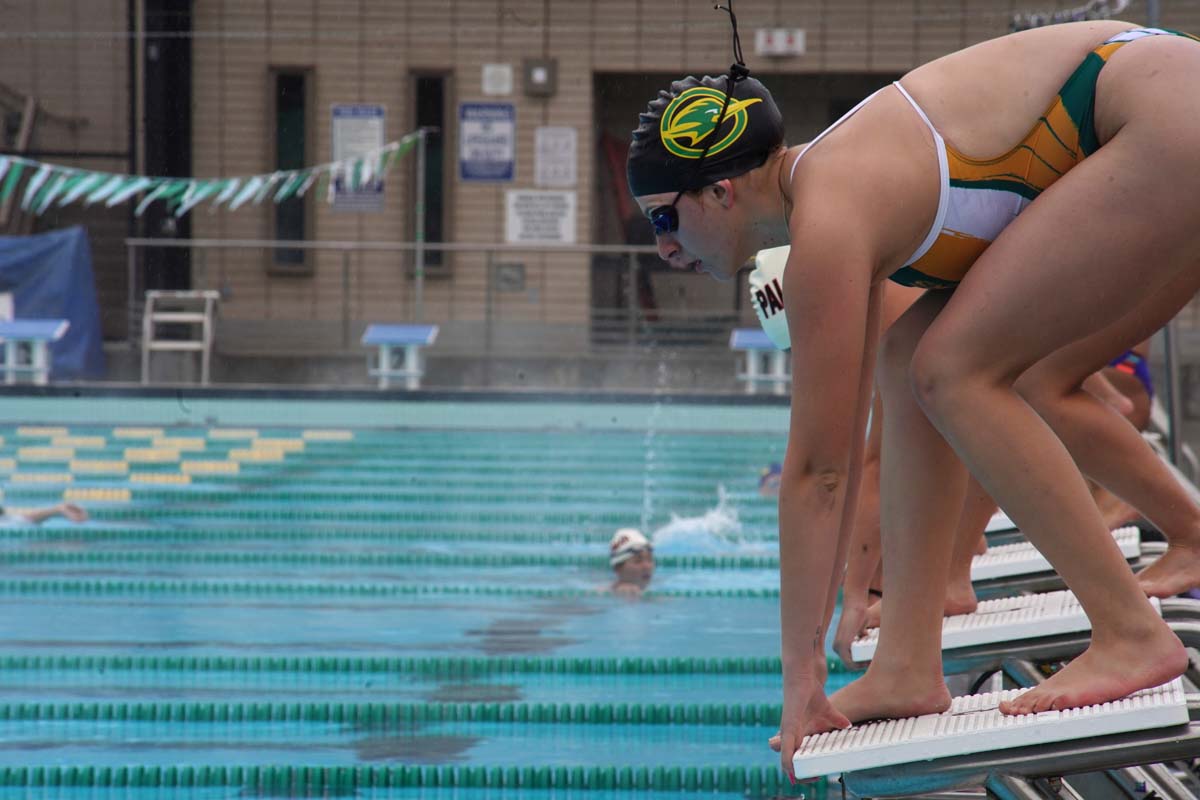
point(680, 123)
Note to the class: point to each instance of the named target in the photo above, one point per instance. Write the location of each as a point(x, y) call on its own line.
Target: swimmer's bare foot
point(1175, 572)
point(886, 693)
point(873, 615)
point(1107, 672)
point(960, 599)
point(1116, 512)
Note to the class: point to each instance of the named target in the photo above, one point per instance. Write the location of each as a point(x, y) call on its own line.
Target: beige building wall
point(71, 57)
point(367, 51)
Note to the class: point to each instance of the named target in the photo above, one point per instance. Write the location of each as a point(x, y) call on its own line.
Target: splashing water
point(715, 532)
point(648, 447)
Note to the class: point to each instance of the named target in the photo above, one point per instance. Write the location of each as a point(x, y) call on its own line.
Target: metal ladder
point(188, 307)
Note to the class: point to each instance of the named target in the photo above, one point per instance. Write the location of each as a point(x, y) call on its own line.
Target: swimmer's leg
point(978, 508)
point(921, 493)
point(1057, 274)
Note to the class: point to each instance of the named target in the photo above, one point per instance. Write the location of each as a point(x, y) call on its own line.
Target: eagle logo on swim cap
point(692, 117)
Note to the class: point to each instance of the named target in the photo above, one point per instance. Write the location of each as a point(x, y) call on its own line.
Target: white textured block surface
point(974, 724)
point(1022, 558)
point(1005, 619)
point(1000, 522)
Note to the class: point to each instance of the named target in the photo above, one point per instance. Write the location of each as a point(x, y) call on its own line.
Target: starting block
point(1004, 619)
point(38, 335)
point(409, 337)
point(973, 724)
point(1022, 558)
point(757, 346)
point(1000, 522)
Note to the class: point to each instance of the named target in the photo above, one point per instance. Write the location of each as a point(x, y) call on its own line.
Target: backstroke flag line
point(54, 185)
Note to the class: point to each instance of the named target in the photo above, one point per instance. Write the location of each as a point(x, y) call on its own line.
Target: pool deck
point(470, 410)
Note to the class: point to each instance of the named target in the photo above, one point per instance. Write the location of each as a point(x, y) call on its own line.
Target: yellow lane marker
point(159, 477)
point(209, 467)
point(41, 477)
point(98, 495)
point(190, 443)
point(8, 464)
point(150, 455)
point(244, 454)
point(329, 436)
point(93, 467)
point(80, 442)
point(233, 433)
point(40, 430)
point(45, 453)
point(286, 445)
point(137, 433)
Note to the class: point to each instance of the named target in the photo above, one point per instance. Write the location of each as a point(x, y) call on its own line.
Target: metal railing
point(626, 324)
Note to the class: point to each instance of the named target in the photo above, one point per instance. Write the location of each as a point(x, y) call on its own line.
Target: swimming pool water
point(386, 612)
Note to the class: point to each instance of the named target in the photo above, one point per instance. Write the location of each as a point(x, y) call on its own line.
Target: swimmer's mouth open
point(696, 266)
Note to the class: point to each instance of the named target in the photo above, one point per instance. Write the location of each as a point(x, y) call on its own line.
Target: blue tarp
point(50, 277)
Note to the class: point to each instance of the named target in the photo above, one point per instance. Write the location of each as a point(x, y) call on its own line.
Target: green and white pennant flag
point(52, 185)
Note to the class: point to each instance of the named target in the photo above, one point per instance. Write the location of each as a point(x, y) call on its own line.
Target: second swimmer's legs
point(921, 489)
point(1110, 450)
point(977, 509)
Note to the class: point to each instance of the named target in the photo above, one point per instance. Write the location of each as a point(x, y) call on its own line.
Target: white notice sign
point(539, 217)
point(554, 152)
point(357, 129)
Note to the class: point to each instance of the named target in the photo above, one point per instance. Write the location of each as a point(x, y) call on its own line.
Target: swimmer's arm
point(39, 515)
point(833, 316)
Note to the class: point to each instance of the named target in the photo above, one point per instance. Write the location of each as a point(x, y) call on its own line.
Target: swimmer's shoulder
point(866, 187)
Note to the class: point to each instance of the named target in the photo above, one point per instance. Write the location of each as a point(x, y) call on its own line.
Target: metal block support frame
point(757, 346)
point(37, 335)
point(194, 308)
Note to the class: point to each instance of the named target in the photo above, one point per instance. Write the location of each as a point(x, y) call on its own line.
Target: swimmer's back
point(986, 98)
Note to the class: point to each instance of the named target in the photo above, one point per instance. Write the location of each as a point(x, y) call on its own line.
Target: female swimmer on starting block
point(1042, 184)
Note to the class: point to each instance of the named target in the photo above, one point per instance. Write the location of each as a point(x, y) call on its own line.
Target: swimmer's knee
point(938, 376)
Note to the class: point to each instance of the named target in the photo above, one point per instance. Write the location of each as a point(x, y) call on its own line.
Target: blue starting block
point(758, 347)
point(389, 338)
point(37, 335)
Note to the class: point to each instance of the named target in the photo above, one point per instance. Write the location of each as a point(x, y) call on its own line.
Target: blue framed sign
point(487, 141)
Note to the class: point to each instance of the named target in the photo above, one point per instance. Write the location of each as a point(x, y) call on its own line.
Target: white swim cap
point(625, 544)
point(766, 293)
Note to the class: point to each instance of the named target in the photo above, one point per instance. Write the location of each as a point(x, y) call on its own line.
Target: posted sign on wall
point(487, 136)
point(539, 217)
point(357, 129)
point(554, 153)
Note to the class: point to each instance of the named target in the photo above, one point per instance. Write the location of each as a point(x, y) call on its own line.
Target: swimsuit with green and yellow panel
point(984, 196)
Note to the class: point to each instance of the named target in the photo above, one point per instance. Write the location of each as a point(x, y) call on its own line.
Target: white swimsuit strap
point(943, 166)
point(830, 130)
point(939, 144)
